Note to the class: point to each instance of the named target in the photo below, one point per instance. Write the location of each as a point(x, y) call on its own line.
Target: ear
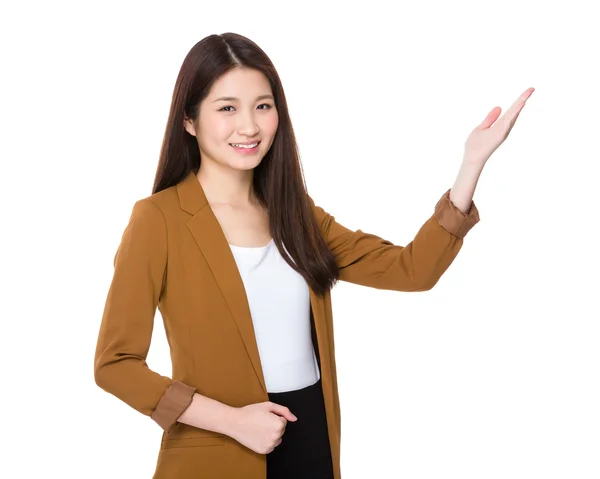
point(189, 126)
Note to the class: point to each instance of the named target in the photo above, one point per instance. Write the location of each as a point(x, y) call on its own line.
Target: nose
point(247, 125)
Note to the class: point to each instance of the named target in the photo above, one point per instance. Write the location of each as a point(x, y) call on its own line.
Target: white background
point(492, 374)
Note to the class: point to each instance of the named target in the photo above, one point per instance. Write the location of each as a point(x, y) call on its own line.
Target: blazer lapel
point(209, 235)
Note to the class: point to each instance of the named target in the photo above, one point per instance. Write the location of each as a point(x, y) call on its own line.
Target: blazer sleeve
point(120, 366)
point(369, 260)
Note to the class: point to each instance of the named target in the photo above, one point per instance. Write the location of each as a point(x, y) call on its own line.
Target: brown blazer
point(173, 255)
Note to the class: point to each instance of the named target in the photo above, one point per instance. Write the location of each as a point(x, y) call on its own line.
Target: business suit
point(174, 255)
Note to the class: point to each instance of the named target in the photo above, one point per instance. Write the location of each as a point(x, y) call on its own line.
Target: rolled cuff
point(452, 219)
point(174, 402)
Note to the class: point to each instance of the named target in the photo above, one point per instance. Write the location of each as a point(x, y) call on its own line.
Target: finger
point(511, 114)
point(523, 97)
point(491, 117)
point(509, 118)
point(281, 411)
point(285, 412)
point(511, 123)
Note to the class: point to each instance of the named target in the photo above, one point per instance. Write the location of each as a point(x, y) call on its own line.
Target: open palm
point(490, 134)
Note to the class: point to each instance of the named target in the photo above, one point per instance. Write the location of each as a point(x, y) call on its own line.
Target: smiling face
point(239, 108)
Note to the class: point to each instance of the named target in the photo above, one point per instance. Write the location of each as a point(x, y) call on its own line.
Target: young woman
point(240, 262)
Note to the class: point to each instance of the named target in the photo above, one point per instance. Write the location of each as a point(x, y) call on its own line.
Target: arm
point(461, 194)
point(210, 414)
point(124, 339)
point(372, 261)
point(369, 260)
point(120, 366)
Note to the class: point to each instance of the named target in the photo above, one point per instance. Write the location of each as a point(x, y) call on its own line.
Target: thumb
point(489, 120)
point(282, 411)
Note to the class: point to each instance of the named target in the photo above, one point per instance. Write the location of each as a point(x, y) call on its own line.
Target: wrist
point(473, 163)
point(230, 420)
point(461, 193)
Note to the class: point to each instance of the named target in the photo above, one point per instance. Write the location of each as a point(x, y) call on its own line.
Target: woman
point(240, 262)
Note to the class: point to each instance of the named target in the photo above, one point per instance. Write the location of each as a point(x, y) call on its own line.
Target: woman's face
point(246, 115)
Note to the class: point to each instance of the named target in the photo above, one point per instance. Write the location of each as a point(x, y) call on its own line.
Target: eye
point(268, 107)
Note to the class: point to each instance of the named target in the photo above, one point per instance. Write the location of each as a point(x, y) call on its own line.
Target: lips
point(246, 143)
point(240, 150)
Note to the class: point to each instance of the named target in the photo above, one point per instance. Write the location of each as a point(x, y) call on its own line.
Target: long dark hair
point(278, 180)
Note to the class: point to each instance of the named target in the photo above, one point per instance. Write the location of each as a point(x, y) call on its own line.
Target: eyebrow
point(232, 98)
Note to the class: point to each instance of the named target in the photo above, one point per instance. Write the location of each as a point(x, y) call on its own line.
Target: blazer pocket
point(216, 440)
point(183, 435)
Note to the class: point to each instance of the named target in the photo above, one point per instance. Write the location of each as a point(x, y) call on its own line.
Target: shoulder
point(158, 206)
point(321, 216)
point(150, 215)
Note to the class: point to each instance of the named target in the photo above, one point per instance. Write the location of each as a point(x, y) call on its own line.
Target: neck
point(226, 185)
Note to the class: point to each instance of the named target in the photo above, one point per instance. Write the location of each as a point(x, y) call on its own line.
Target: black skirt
point(304, 451)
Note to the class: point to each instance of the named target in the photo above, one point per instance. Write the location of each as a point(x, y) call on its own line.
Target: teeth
point(244, 146)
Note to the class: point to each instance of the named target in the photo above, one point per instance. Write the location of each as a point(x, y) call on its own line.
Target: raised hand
point(490, 134)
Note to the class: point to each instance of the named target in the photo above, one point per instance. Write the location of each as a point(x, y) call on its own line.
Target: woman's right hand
point(260, 426)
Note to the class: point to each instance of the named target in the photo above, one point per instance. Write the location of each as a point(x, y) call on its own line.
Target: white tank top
point(279, 304)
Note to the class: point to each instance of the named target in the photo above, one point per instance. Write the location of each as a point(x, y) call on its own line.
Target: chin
point(245, 163)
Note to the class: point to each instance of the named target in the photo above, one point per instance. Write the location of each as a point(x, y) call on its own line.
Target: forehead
point(241, 82)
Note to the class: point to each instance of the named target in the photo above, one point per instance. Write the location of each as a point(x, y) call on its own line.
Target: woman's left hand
point(487, 136)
